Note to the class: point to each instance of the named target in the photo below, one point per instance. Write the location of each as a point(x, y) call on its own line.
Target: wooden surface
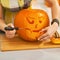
point(19, 44)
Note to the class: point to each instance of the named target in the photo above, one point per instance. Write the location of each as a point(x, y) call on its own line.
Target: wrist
point(3, 28)
point(55, 21)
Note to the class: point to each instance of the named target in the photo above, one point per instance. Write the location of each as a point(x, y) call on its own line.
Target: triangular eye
point(30, 20)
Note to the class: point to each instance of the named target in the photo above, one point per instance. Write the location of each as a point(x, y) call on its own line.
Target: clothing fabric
point(11, 8)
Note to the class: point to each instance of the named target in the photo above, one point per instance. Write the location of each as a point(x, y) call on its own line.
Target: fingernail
point(38, 39)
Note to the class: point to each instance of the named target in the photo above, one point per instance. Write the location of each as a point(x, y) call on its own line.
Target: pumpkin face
point(32, 21)
point(49, 5)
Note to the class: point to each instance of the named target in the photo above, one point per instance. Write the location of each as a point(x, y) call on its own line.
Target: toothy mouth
point(36, 30)
point(33, 30)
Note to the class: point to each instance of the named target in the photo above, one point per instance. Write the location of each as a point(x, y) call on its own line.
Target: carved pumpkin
point(49, 5)
point(31, 21)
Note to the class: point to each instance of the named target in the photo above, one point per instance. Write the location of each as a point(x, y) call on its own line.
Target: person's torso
point(11, 7)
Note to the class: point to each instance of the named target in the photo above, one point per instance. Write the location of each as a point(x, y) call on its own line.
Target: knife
point(13, 28)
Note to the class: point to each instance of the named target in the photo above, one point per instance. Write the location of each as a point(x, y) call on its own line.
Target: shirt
point(11, 5)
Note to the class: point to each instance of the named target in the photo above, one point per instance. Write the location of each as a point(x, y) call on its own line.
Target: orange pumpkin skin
point(49, 5)
point(55, 40)
point(33, 20)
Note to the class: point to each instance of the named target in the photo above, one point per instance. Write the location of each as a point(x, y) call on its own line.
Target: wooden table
point(19, 44)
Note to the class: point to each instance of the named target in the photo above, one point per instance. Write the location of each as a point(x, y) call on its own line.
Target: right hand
point(10, 34)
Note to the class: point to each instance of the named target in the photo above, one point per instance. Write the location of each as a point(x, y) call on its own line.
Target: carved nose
point(36, 25)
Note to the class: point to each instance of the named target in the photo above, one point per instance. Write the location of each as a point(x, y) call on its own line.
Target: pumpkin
point(55, 40)
point(49, 5)
point(31, 21)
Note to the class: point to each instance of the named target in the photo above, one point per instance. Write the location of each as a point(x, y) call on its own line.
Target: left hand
point(50, 30)
point(10, 34)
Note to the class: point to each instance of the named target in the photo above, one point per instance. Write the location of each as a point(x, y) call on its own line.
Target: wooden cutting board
point(19, 44)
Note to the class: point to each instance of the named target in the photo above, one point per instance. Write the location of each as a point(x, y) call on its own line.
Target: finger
point(43, 29)
point(11, 32)
point(45, 38)
point(44, 35)
point(10, 36)
point(10, 25)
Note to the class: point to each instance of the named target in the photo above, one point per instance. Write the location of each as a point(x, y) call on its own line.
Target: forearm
point(55, 10)
point(2, 25)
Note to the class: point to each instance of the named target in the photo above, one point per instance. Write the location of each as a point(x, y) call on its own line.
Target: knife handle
point(10, 28)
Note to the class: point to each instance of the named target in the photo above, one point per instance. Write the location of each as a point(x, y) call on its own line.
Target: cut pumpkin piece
point(55, 40)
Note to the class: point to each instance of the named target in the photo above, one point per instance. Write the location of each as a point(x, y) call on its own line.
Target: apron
point(11, 8)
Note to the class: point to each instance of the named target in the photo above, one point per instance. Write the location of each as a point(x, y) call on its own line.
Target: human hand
point(50, 30)
point(10, 34)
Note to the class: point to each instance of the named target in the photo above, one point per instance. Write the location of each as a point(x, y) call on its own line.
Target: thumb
point(43, 30)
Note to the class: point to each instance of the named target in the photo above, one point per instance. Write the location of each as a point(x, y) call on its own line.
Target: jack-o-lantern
point(31, 21)
point(49, 5)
